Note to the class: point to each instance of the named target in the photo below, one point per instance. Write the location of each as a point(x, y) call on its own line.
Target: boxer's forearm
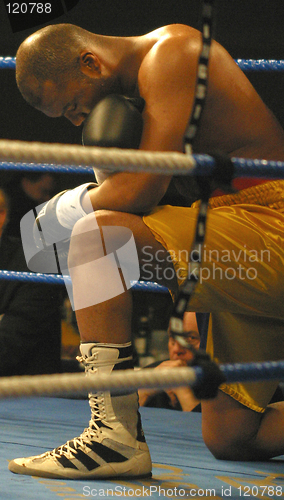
point(128, 192)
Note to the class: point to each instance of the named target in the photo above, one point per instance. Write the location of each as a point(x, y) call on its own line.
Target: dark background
point(247, 29)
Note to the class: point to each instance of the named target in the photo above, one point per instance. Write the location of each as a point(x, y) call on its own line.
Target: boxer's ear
point(90, 64)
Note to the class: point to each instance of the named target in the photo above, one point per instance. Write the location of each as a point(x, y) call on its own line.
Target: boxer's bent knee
point(236, 450)
point(86, 224)
point(104, 217)
point(98, 233)
point(119, 219)
point(85, 240)
point(220, 450)
point(230, 429)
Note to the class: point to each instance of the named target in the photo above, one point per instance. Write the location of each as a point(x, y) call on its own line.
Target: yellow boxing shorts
point(241, 278)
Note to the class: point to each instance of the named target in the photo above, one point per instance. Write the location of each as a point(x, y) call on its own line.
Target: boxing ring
point(185, 469)
point(182, 465)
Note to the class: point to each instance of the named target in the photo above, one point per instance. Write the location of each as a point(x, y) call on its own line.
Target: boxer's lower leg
point(113, 444)
point(93, 273)
point(111, 322)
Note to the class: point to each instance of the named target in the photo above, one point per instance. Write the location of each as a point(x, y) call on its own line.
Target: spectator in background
point(30, 325)
point(25, 192)
point(177, 398)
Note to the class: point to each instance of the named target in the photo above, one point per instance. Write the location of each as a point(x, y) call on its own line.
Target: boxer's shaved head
point(51, 53)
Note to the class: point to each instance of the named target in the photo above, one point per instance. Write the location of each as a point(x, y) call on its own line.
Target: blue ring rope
point(244, 64)
point(58, 279)
point(46, 167)
point(261, 371)
point(260, 64)
point(244, 167)
point(254, 371)
point(7, 62)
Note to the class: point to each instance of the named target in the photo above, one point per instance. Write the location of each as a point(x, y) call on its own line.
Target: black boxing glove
point(51, 230)
point(115, 122)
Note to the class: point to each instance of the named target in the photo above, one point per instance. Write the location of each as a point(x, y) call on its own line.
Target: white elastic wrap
point(69, 207)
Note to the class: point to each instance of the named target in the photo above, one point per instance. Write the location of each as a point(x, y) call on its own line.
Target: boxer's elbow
point(132, 193)
point(146, 198)
point(143, 204)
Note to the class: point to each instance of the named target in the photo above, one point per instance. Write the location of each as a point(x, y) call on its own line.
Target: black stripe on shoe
point(86, 460)
point(140, 433)
point(81, 456)
point(66, 463)
point(107, 454)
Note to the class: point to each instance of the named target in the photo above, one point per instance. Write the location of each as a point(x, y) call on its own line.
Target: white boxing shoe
point(113, 445)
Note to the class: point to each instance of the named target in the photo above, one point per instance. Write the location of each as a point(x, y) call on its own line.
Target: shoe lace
point(90, 434)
